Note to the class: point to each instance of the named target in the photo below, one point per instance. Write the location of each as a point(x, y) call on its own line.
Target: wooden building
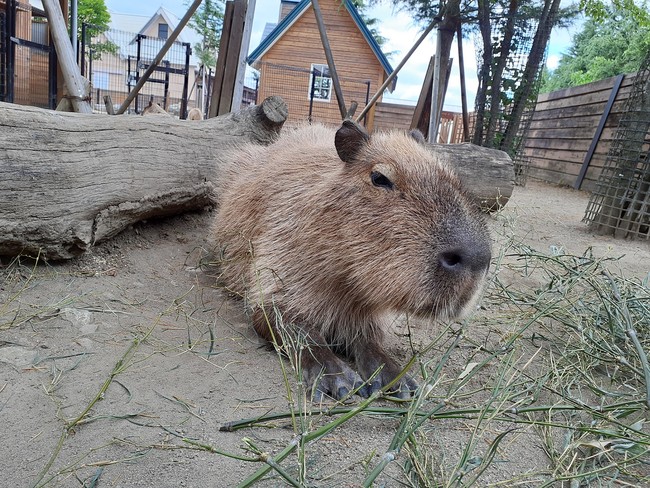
point(291, 61)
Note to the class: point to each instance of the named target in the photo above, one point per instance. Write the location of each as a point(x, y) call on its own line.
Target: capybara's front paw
point(404, 388)
point(332, 377)
point(380, 370)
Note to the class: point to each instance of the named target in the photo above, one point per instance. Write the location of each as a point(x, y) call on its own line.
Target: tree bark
point(504, 50)
point(69, 180)
point(487, 173)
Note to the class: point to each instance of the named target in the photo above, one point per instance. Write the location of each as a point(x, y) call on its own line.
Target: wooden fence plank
point(562, 131)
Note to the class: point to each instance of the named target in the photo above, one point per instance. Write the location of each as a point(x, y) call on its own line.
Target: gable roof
point(296, 13)
point(140, 23)
point(137, 24)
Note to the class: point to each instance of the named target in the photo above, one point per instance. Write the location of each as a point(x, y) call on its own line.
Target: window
point(163, 31)
point(100, 80)
point(321, 83)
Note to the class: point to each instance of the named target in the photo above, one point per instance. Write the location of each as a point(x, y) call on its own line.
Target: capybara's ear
point(349, 140)
point(417, 135)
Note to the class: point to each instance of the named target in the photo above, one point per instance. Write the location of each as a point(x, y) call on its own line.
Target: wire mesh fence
point(309, 93)
point(494, 125)
point(27, 60)
point(115, 60)
point(620, 204)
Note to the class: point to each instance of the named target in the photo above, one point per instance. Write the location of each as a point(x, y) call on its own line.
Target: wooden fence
point(397, 116)
point(565, 127)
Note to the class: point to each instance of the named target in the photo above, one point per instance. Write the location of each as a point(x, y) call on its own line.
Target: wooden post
point(463, 90)
point(161, 54)
point(330, 59)
point(78, 87)
point(434, 119)
point(243, 52)
point(599, 131)
point(223, 86)
point(392, 76)
point(421, 115)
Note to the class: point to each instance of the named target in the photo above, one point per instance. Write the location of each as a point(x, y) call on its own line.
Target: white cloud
point(552, 61)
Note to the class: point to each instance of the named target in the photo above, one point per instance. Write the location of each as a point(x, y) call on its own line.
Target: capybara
point(327, 233)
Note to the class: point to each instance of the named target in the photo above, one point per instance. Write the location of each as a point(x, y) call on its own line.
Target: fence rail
point(398, 116)
point(563, 128)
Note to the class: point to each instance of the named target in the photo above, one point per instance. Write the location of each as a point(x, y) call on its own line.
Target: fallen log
point(487, 173)
point(69, 180)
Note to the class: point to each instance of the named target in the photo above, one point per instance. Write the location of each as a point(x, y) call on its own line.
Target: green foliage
point(95, 15)
point(208, 22)
point(93, 12)
point(616, 44)
point(371, 23)
point(598, 10)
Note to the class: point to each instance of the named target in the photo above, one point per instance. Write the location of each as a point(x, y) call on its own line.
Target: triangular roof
point(296, 13)
point(140, 23)
point(137, 24)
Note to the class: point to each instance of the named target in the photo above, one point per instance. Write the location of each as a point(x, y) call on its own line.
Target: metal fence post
point(82, 54)
point(184, 100)
point(311, 95)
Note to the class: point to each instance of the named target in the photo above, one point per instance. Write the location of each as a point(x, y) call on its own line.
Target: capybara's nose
point(466, 254)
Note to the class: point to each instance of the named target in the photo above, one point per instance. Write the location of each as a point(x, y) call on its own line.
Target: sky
point(396, 26)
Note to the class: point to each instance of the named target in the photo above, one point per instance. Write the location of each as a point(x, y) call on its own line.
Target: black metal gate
point(27, 66)
point(129, 56)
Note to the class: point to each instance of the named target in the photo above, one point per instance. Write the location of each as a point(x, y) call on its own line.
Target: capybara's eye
point(380, 180)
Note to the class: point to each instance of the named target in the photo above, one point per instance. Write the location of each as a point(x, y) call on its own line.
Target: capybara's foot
point(328, 375)
point(372, 358)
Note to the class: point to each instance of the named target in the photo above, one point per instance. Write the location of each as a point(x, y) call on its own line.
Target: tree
point(511, 32)
point(95, 16)
point(598, 10)
point(93, 12)
point(208, 22)
point(371, 23)
point(615, 44)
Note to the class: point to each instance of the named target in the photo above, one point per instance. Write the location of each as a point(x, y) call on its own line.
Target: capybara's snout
point(465, 254)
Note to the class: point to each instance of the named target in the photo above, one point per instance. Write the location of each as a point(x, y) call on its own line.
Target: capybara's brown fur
point(335, 230)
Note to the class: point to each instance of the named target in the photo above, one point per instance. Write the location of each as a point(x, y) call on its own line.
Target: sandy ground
point(140, 316)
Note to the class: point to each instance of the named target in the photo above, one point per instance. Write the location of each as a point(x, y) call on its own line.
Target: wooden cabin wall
point(301, 46)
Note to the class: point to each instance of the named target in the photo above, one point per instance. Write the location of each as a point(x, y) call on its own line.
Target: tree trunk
point(497, 75)
point(485, 27)
point(448, 27)
point(528, 84)
point(70, 180)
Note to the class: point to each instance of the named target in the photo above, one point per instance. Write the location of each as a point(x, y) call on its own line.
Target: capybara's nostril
point(451, 260)
point(474, 257)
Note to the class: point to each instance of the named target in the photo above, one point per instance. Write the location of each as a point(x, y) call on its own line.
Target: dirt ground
point(138, 325)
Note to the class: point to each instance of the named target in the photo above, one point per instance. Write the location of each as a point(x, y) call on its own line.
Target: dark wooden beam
point(598, 133)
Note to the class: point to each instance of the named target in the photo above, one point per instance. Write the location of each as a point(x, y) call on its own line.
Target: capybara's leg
point(322, 371)
point(369, 357)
